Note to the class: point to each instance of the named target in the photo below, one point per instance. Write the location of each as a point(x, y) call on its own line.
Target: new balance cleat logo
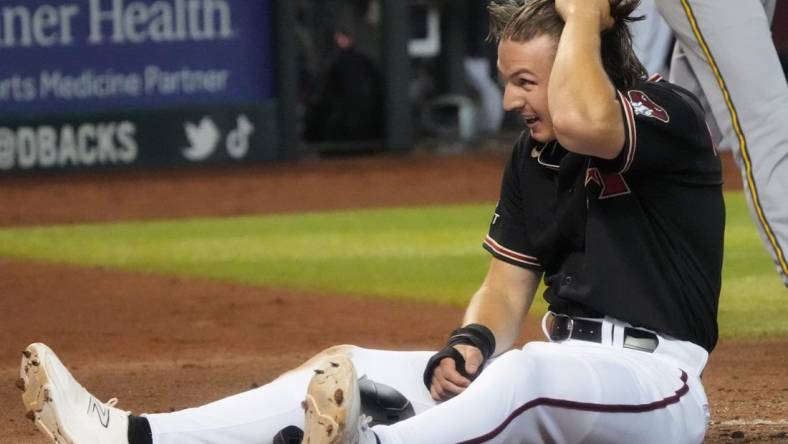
point(101, 411)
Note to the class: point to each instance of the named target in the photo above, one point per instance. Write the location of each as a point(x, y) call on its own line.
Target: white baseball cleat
point(333, 406)
point(61, 408)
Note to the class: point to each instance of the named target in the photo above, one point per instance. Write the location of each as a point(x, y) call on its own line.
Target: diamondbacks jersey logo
point(644, 106)
point(611, 184)
point(102, 411)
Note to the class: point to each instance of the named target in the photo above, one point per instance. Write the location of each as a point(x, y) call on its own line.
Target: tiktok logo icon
point(238, 139)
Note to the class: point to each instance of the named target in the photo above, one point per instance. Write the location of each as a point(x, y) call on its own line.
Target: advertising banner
point(101, 83)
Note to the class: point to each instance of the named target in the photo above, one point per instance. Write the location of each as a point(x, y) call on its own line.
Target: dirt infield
point(161, 343)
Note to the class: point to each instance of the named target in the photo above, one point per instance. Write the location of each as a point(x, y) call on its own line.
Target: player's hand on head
point(447, 381)
point(569, 8)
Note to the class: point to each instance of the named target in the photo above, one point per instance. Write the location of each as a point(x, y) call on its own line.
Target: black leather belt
point(565, 327)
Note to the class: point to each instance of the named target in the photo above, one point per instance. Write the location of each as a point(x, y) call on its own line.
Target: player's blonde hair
point(521, 21)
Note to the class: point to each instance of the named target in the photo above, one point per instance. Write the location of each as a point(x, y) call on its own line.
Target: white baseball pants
point(569, 392)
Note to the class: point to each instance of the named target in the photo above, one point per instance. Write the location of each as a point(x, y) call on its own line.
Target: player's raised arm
point(582, 99)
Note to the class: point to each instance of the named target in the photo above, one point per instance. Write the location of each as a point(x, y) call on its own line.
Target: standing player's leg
point(729, 47)
point(652, 39)
point(681, 73)
point(63, 409)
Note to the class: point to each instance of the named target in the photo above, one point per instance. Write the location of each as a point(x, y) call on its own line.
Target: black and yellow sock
point(139, 430)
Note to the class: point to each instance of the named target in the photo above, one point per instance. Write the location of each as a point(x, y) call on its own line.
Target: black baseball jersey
point(639, 237)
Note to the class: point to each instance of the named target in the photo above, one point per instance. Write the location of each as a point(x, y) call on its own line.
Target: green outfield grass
point(426, 254)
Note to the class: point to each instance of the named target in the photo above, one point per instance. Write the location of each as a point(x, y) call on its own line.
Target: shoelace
point(363, 422)
point(112, 402)
point(364, 431)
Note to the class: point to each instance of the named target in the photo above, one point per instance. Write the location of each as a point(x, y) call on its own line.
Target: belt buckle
point(561, 330)
point(637, 339)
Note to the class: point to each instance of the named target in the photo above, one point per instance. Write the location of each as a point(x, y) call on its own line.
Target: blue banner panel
point(65, 56)
point(226, 134)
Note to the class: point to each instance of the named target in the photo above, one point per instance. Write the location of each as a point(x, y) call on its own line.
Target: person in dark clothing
point(349, 106)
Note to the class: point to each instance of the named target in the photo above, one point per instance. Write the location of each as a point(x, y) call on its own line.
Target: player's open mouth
point(530, 121)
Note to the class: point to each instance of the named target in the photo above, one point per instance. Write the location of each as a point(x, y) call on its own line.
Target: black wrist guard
point(476, 335)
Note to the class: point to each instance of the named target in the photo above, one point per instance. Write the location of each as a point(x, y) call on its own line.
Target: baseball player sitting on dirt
point(612, 195)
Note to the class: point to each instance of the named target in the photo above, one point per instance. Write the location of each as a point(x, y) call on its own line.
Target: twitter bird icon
point(203, 139)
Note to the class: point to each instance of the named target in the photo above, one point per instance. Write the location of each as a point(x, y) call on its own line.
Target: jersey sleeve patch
point(664, 130)
point(642, 105)
point(509, 255)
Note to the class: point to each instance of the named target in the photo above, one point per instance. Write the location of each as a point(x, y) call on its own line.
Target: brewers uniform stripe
point(740, 134)
point(586, 406)
point(511, 254)
point(629, 113)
